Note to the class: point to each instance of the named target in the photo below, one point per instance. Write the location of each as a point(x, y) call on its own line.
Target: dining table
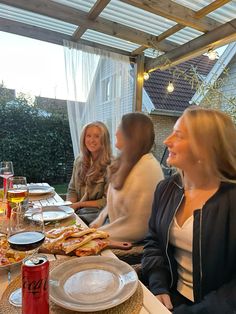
point(150, 304)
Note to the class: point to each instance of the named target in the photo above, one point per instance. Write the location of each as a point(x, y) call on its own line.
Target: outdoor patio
point(157, 57)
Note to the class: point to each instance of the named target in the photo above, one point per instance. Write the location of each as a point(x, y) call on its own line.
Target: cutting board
point(111, 245)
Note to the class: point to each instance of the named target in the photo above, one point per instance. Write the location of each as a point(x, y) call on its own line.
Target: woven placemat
point(132, 306)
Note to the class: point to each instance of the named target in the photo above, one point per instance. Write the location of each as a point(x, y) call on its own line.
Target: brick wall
point(163, 126)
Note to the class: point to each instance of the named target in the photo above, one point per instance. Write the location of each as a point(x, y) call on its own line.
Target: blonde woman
point(133, 178)
point(88, 185)
point(190, 256)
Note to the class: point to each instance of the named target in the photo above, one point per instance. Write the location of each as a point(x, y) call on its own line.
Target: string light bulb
point(170, 87)
point(212, 54)
point(146, 76)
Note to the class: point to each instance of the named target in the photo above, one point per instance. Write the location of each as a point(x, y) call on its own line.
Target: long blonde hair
point(213, 137)
point(90, 172)
point(138, 131)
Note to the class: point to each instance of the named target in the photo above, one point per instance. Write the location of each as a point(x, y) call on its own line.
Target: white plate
point(35, 189)
point(92, 283)
point(53, 213)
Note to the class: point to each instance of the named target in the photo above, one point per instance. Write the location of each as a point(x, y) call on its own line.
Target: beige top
point(181, 238)
point(129, 209)
point(96, 191)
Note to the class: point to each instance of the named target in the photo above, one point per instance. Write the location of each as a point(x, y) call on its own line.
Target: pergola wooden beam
point(174, 29)
point(175, 12)
point(220, 36)
point(139, 69)
point(94, 12)
point(77, 17)
point(210, 7)
point(97, 8)
point(160, 37)
point(49, 36)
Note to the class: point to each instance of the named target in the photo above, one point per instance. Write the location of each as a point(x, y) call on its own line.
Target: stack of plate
point(37, 189)
point(52, 213)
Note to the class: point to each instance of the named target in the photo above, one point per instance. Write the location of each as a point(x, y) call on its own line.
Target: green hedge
point(38, 143)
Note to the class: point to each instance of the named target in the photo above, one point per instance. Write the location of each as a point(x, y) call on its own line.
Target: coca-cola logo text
point(35, 286)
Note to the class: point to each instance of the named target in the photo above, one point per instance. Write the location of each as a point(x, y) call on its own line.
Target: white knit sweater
point(129, 209)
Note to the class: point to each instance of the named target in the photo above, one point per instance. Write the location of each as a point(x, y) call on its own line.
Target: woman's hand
point(165, 300)
point(93, 225)
point(76, 205)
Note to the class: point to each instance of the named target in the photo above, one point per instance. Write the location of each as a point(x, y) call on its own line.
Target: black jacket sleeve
point(155, 265)
point(220, 301)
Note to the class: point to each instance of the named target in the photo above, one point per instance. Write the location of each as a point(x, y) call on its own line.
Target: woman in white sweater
point(133, 179)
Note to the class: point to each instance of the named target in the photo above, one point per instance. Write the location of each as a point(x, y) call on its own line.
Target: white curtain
point(100, 87)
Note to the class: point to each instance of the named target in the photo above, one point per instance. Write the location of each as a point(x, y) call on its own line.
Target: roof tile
point(179, 99)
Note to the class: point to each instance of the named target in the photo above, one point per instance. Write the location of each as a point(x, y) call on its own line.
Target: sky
point(32, 66)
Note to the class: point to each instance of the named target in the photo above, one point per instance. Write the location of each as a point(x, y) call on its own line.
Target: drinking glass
point(17, 190)
point(3, 200)
point(25, 233)
point(6, 171)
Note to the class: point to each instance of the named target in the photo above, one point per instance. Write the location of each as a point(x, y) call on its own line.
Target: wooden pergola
point(213, 33)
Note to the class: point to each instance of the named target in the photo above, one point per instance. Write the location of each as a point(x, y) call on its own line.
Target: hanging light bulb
point(170, 87)
point(145, 76)
point(212, 54)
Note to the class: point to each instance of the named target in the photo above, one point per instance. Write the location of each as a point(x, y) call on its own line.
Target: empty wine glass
point(6, 171)
point(25, 233)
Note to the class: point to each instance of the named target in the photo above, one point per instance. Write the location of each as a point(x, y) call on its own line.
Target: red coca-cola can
point(35, 285)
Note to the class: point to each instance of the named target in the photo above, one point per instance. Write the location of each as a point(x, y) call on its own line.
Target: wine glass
point(17, 190)
point(25, 233)
point(6, 171)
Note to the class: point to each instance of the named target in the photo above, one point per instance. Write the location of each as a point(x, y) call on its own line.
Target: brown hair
point(138, 131)
point(89, 172)
point(213, 136)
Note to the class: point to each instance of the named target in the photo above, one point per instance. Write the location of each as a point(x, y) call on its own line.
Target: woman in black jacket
point(190, 256)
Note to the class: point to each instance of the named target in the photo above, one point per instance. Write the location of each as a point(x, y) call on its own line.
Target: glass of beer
point(17, 190)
